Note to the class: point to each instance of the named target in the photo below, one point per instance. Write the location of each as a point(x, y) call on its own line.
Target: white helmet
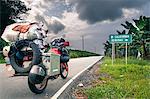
point(6, 50)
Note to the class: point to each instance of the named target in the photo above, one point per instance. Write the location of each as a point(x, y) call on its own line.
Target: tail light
point(66, 44)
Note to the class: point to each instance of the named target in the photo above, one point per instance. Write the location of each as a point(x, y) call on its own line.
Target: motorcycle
point(42, 66)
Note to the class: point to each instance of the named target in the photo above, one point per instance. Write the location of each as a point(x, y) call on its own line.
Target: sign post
point(126, 57)
point(123, 38)
point(113, 53)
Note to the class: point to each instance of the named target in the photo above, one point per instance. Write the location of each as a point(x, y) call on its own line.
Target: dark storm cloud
point(99, 10)
point(56, 26)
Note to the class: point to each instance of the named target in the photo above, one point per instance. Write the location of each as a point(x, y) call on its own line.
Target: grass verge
point(122, 81)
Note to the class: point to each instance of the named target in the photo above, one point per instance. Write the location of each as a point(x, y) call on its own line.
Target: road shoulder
point(84, 79)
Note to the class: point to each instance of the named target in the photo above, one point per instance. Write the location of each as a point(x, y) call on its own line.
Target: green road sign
point(123, 38)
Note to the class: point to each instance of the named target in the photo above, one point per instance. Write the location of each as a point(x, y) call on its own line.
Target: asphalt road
point(17, 87)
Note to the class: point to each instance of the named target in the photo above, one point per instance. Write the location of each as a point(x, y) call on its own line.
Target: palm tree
point(107, 47)
point(140, 32)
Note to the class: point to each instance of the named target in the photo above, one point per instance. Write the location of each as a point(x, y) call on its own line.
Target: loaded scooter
point(39, 63)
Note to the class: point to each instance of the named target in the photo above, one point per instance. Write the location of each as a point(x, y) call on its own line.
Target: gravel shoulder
point(86, 79)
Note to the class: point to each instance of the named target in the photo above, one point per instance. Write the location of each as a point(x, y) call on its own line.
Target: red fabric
point(55, 50)
point(22, 28)
point(66, 44)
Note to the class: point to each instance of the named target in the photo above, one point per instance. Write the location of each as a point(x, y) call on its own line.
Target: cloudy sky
point(94, 20)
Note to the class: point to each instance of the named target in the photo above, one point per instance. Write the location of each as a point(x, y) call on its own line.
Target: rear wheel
point(64, 70)
point(22, 60)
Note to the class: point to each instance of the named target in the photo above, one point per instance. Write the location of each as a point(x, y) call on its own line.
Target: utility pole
point(82, 42)
point(95, 49)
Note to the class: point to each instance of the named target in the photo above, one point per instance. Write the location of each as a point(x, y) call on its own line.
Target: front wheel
point(64, 70)
point(37, 88)
point(37, 79)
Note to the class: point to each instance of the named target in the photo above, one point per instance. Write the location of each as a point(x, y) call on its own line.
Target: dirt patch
point(78, 94)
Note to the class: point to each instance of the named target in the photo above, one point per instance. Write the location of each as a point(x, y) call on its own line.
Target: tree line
point(9, 10)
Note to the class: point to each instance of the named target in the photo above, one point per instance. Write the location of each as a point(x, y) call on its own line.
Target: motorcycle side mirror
point(66, 44)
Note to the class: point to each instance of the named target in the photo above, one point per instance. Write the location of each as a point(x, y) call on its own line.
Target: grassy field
point(122, 81)
point(78, 53)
